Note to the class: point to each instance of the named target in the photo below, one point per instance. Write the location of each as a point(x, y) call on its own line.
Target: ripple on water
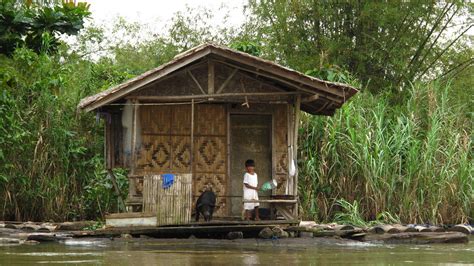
point(52, 254)
point(360, 244)
point(67, 261)
point(84, 242)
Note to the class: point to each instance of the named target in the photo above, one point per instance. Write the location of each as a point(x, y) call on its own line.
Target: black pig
point(205, 205)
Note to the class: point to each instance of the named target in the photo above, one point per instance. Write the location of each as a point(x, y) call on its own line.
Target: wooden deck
point(217, 227)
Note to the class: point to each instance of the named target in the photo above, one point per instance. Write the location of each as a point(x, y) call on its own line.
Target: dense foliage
point(400, 150)
point(413, 160)
point(384, 44)
point(38, 26)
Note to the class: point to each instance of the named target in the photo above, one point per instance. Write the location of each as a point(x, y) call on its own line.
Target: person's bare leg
point(257, 216)
point(247, 215)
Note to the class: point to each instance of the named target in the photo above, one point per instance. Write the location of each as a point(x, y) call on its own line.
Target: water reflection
point(250, 259)
point(224, 252)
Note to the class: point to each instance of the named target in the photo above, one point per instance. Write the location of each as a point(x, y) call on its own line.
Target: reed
point(51, 165)
point(411, 160)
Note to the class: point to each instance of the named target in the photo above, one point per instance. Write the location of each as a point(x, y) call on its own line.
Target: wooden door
point(250, 138)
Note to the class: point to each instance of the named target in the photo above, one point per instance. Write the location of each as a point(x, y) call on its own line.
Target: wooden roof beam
point(278, 72)
point(195, 81)
point(311, 98)
point(222, 87)
point(144, 79)
point(289, 84)
point(221, 95)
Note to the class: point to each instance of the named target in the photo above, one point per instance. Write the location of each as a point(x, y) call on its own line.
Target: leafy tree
point(384, 44)
point(247, 47)
point(38, 26)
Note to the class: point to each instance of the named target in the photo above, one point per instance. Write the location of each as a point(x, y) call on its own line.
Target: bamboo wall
point(166, 146)
point(172, 205)
point(166, 133)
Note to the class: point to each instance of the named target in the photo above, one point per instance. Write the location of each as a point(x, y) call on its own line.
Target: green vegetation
point(412, 159)
point(400, 150)
point(37, 26)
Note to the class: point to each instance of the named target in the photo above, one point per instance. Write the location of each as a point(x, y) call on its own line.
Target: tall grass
point(412, 160)
point(51, 165)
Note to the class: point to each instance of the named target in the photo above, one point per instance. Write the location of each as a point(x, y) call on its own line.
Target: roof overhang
point(321, 97)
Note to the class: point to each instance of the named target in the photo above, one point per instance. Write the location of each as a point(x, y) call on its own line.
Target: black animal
point(205, 205)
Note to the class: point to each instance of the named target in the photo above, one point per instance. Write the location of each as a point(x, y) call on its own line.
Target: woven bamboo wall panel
point(155, 119)
point(166, 146)
point(181, 154)
point(210, 154)
point(216, 182)
point(211, 120)
point(281, 128)
point(281, 184)
point(154, 154)
point(281, 162)
point(181, 120)
point(281, 171)
point(180, 84)
point(172, 205)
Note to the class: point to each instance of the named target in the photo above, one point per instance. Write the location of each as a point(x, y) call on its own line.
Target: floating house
point(198, 118)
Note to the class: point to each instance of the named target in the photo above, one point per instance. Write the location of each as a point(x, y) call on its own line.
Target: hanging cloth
point(292, 170)
point(168, 180)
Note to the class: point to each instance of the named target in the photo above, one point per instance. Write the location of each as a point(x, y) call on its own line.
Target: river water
point(240, 252)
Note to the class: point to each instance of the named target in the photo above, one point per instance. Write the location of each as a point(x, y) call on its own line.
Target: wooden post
point(192, 138)
point(107, 144)
point(295, 148)
point(133, 149)
point(289, 150)
point(210, 78)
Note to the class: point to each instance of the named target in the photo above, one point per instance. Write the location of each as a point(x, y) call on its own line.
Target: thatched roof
point(329, 95)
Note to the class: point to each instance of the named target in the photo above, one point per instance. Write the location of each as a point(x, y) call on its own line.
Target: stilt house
point(199, 117)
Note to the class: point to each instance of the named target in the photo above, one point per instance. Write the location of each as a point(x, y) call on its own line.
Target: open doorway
point(250, 138)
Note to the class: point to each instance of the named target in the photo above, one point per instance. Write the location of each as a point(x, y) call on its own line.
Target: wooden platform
point(194, 228)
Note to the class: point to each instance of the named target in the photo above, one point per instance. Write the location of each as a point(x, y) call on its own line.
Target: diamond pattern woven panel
point(166, 145)
point(155, 154)
point(181, 154)
point(210, 154)
point(216, 182)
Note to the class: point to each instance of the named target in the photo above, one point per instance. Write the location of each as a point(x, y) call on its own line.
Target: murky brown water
point(246, 252)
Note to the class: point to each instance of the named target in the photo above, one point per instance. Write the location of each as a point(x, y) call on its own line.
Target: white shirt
point(250, 194)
